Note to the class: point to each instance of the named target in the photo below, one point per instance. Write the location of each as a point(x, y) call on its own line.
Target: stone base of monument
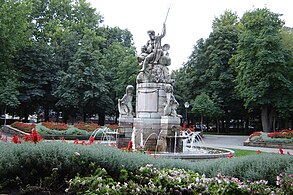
point(125, 126)
point(170, 125)
point(125, 131)
point(154, 132)
point(148, 130)
point(175, 144)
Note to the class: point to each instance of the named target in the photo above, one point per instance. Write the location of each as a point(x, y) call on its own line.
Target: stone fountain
point(155, 116)
point(155, 123)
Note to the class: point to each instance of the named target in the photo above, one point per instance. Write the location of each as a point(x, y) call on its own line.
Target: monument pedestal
point(125, 130)
point(150, 122)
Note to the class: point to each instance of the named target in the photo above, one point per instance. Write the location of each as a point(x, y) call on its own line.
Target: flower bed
point(283, 139)
point(54, 130)
point(25, 127)
point(87, 126)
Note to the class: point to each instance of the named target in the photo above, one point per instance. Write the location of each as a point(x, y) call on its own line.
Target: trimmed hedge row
point(51, 163)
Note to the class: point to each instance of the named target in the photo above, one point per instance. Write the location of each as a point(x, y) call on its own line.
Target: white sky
point(188, 20)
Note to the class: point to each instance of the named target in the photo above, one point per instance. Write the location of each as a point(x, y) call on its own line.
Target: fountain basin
point(198, 153)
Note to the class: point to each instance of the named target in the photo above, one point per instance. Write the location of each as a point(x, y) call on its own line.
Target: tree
point(83, 86)
point(208, 69)
point(14, 33)
point(8, 94)
point(203, 106)
point(264, 79)
point(189, 76)
point(36, 78)
point(120, 62)
point(219, 74)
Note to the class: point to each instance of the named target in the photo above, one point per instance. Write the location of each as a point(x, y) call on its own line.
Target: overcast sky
point(188, 20)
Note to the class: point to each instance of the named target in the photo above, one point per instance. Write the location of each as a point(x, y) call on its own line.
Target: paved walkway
point(235, 142)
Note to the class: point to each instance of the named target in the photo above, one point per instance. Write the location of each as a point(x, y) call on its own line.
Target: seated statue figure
point(171, 103)
point(125, 103)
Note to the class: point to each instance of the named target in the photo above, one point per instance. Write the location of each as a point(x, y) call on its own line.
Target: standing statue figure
point(171, 103)
point(152, 51)
point(125, 103)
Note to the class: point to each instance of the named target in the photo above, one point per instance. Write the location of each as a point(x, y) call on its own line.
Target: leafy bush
point(149, 180)
point(52, 163)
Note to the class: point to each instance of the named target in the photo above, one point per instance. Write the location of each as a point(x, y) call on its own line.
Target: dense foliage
point(48, 166)
point(245, 69)
point(56, 56)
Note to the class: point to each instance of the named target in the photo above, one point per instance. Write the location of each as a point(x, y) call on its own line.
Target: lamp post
point(186, 105)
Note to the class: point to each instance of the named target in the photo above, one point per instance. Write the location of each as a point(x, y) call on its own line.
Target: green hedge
point(51, 163)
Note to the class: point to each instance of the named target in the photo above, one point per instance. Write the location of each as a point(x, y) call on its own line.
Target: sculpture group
point(154, 60)
point(155, 104)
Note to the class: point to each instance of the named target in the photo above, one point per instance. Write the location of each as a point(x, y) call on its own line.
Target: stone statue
point(171, 103)
point(125, 103)
point(153, 48)
point(154, 59)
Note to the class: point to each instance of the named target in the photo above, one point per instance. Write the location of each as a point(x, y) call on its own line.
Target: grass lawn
point(239, 152)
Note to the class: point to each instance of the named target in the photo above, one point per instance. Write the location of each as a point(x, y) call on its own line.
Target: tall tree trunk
point(267, 114)
point(5, 115)
point(201, 123)
point(218, 126)
point(101, 118)
point(46, 113)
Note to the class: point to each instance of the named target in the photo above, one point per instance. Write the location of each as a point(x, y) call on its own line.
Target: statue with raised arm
point(153, 48)
point(154, 59)
point(125, 103)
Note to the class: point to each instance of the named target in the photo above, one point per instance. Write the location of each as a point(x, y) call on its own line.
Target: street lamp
point(186, 105)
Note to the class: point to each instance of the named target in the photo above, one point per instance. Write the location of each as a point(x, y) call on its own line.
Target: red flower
point(75, 141)
point(185, 125)
point(258, 151)
point(92, 139)
point(230, 155)
point(281, 151)
point(83, 142)
point(15, 139)
point(35, 137)
point(27, 137)
point(129, 147)
point(0, 136)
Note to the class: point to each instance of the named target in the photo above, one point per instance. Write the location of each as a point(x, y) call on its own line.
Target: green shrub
point(47, 161)
point(149, 180)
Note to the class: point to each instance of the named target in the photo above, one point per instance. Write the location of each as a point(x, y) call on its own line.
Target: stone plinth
point(169, 125)
point(150, 100)
point(125, 126)
point(175, 144)
point(125, 131)
point(149, 121)
point(149, 128)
